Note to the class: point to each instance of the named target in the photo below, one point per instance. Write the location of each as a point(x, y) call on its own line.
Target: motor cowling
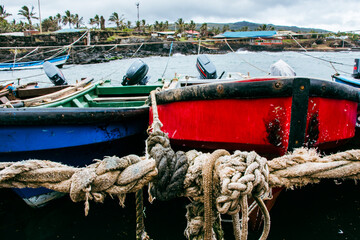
point(54, 74)
point(281, 68)
point(136, 74)
point(356, 72)
point(205, 67)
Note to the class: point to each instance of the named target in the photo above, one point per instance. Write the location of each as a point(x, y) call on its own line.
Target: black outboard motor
point(54, 73)
point(136, 74)
point(356, 72)
point(205, 67)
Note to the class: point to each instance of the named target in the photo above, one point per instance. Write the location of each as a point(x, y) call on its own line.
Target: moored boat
point(100, 120)
point(58, 61)
point(353, 81)
point(269, 115)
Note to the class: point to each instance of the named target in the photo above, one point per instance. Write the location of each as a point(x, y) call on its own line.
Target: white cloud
point(330, 15)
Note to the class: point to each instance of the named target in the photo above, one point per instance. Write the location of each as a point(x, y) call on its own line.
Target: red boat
point(267, 115)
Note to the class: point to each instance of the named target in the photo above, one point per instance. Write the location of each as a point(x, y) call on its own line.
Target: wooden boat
point(58, 61)
point(30, 95)
point(101, 120)
point(268, 115)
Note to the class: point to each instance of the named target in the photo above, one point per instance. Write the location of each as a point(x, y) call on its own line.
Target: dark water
point(325, 211)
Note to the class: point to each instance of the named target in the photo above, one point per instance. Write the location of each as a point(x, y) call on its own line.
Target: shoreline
point(100, 53)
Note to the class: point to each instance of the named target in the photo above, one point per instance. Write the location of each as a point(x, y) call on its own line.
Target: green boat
point(98, 120)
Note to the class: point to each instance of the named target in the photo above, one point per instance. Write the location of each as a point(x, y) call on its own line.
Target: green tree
point(180, 25)
point(28, 14)
point(95, 21)
point(143, 24)
point(77, 21)
point(166, 25)
point(102, 23)
point(68, 18)
point(128, 24)
point(118, 20)
point(244, 29)
point(3, 13)
point(138, 24)
point(50, 24)
point(192, 25)
point(225, 28)
point(204, 30)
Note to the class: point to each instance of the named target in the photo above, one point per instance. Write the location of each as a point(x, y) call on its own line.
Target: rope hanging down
point(233, 179)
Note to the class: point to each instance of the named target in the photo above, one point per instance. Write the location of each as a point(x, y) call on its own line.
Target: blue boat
point(58, 61)
point(101, 120)
point(353, 80)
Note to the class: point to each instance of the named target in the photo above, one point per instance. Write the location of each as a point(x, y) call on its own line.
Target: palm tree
point(68, 18)
point(138, 25)
point(77, 21)
point(192, 25)
point(3, 13)
point(166, 25)
point(143, 24)
point(204, 29)
point(180, 25)
point(50, 24)
point(102, 23)
point(118, 20)
point(26, 13)
point(128, 24)
point(95, 20)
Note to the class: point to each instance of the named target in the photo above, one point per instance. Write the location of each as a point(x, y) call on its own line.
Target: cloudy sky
point(333, 15)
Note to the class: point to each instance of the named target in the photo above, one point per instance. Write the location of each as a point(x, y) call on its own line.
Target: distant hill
point(253, 26)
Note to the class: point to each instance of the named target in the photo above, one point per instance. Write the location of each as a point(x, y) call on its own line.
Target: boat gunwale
point(69, 115)
point(256, 88)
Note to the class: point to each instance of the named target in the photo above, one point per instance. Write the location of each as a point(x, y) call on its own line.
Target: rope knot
point(241, 174)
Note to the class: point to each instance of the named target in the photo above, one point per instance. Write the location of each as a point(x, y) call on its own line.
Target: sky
point(332, 15)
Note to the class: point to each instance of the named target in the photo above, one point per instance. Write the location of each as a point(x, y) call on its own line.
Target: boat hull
point(72, 136)
point(269, 116)
point(58, 61)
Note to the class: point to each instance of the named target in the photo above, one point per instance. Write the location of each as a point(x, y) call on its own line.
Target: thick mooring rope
point(221, 183)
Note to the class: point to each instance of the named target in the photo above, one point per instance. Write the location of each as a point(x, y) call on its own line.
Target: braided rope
point(112, 175)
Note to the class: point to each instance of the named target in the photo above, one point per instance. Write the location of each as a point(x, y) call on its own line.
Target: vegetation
point(28, 14)
point(142, 28)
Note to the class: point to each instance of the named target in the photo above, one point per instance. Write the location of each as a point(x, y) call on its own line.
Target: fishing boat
point(58, 61)
point(353, 80)
point(101, 120)
point(268, 115)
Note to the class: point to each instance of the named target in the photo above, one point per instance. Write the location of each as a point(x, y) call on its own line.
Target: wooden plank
point(36, 92)
point(113, 99)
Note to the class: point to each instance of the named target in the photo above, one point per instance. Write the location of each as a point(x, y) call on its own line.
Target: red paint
point(337, 119)
point(243, 123)
point(227, 123)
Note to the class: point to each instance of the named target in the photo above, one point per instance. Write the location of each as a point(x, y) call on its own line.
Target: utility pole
point(40, 16)
point(137, 5)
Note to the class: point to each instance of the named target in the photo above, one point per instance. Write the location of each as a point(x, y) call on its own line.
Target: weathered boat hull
point(270, 116)
point(102, 120)
point(33, 129)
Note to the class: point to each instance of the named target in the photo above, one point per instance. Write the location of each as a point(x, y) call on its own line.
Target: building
point(254, 37)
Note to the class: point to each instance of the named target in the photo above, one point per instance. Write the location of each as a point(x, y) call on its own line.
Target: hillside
point(253, 26)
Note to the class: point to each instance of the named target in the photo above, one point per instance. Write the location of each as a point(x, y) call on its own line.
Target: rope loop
point(241, 174)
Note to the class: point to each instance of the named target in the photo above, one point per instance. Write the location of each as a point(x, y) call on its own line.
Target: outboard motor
point(54, 74)
point(136, 74)
point(205, 67)
point(281, 68)
point(356, 72)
